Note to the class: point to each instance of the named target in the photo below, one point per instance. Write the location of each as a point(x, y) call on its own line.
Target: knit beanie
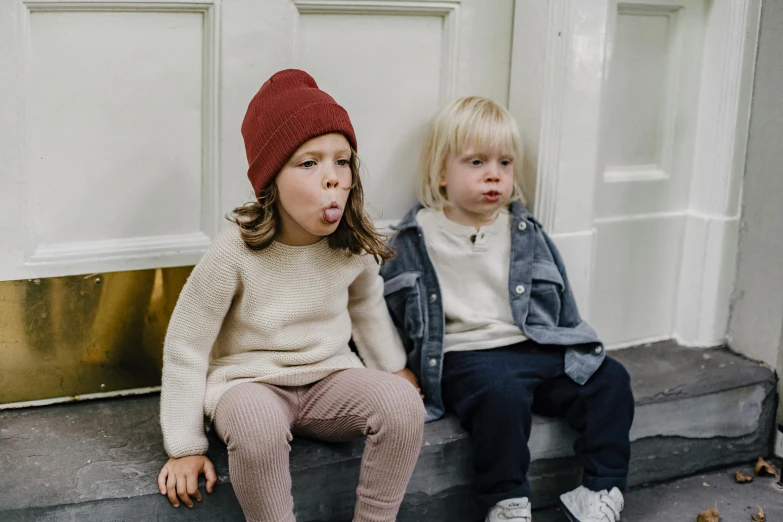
point(288, 110)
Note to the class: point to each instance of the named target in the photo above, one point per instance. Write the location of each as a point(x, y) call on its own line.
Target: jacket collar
point(409, 221)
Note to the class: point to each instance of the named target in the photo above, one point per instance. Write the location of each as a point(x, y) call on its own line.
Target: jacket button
point(433, 362)
point(520, 289)
point(433, 298)
point(598, 349)
point(522, 226)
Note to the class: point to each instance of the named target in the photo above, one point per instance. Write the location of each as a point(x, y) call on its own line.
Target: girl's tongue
point(332, 215)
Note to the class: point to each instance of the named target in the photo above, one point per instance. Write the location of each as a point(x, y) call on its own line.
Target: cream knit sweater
point(282, 315)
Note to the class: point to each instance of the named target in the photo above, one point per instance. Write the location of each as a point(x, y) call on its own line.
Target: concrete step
point(98, 461)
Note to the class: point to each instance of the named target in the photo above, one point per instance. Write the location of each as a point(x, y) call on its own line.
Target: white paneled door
point(675, 108)
point(120, 144)
point(640, 138)
point(119, 120)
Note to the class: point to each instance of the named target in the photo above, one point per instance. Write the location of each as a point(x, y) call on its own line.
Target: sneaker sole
point(567, 512)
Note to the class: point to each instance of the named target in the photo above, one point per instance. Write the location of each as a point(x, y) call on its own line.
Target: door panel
point(642, 192)
point(124, 150)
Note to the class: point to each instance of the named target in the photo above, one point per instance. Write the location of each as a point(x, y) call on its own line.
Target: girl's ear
point(442, 178)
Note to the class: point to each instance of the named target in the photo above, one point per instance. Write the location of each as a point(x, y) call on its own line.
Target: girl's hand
point(179, 477)
point(409, 376)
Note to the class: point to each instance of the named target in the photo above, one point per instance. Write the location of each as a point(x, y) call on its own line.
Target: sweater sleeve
point(374, 333)
point(194, 326)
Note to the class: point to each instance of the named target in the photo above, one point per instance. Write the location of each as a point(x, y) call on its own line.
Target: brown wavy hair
point(259, 220)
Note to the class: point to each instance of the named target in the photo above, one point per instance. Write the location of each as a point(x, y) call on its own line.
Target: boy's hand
point(409, 376)
point(179, 477)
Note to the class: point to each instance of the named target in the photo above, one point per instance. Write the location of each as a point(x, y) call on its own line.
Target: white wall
point(756, 323)
point(757, 300)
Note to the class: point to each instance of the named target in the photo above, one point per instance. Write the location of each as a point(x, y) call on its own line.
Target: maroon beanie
point(288, 110)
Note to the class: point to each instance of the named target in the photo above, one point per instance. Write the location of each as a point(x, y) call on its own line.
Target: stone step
point(98, 461)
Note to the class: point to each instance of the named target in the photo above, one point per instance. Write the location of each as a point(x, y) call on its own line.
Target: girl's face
point(313, 190)
point(477, 185)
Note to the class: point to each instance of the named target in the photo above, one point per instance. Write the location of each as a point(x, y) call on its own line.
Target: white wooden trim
point(578, 252)
point(186, 6)
point(449, 11)
point(111, 254)
point(640, 217)
point(572, 106)
point(564, 196)
point(631, 173)
point(668, 122)
point(706, 279)
point(75, 253)
point(24, 79)
point(724, 111)
point(652, 340)
point(711, 235)
point(555, 84)
point(210, 118)
point(638, 342)
point(420, 7)
point(569, 125)
point(699, 344)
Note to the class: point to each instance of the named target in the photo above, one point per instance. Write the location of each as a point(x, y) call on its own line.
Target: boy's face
point(313, 189)
point(477, 185)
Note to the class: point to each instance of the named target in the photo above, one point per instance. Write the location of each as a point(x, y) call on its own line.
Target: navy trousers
point(494, 392)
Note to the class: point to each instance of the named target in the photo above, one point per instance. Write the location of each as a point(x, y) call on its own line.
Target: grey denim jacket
point(542, 303)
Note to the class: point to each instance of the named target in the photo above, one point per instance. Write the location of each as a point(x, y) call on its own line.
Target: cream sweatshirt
point(282, 315)
point(472, 267)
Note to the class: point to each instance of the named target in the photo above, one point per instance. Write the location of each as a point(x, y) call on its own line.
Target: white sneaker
point(583, 505)
point(510, 510)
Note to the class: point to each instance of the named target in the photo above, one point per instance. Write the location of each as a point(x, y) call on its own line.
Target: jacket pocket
point(403, 298)
point(545, 295)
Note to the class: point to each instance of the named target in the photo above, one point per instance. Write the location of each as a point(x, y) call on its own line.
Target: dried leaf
point(706, 484)
point(742, 478)
point(760, 517)
point(711, 515)
point(762, 466)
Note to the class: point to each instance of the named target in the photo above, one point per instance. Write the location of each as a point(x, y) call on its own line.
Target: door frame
point(559, 56)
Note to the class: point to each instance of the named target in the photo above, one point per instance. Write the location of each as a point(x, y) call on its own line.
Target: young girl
point(258, 342)
point(481, 299)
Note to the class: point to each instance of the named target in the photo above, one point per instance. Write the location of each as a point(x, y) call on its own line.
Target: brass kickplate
point(64, 337)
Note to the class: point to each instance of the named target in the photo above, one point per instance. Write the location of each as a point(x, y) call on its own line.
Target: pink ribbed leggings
point(256, 421)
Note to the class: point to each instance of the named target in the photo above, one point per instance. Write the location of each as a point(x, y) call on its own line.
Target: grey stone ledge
point(697, 409)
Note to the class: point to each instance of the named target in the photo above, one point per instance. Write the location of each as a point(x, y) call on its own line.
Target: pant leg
point(385, 408)
point(254, 421)
point(491, 391)
point(601, 411)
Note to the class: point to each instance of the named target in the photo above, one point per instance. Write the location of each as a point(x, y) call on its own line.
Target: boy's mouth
point(332, 213)
point(492, 196)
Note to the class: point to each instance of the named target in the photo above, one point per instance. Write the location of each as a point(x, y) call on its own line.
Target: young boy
point(481, 299)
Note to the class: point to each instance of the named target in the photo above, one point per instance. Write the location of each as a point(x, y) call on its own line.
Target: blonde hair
point(258, 221)
point(471, 121)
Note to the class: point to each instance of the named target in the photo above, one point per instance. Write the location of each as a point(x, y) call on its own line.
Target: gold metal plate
point(65, 337)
